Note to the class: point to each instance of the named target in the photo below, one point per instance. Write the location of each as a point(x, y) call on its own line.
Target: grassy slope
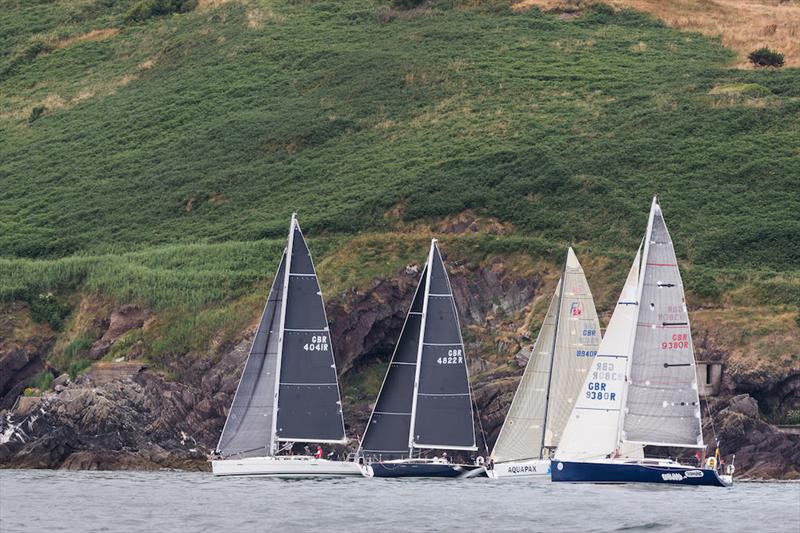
point(171, 153)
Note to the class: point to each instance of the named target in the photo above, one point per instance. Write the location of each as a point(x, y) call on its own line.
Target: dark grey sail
point(309, 406)
point(386, 434)
point(248, 428)
point(443, 415)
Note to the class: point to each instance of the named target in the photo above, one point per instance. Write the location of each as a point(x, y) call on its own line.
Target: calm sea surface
point(168, 501)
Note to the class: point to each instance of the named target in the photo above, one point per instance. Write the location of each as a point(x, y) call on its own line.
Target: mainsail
point(592, 431)
point(425, 400)
point(563, 353)
point(662, 403)
point(288, 390)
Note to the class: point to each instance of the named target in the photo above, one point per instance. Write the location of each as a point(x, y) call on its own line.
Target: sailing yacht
point(642, 389)
point(425, 402)
point(289, 390)
point(562, 355)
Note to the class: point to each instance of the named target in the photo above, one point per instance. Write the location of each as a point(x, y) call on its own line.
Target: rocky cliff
point(123, 414)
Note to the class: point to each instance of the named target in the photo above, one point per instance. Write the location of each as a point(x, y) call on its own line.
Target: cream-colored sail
point(593, 429)
point(562, 354)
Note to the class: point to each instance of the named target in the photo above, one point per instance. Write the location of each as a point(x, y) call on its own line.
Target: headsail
point(309, 407)
point(442, 407)
point(248, 428)
point(386, 434)
point(592, 431)
point(563, 352)
point(662, 403)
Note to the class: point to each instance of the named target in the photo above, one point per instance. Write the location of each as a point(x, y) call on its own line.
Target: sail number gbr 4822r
point(454, 357)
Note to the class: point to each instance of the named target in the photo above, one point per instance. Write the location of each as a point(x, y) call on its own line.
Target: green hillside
point(213, 125)
point(157, 158)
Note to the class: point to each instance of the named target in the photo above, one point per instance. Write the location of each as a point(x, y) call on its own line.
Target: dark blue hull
point(443, 470)
point(578, 472)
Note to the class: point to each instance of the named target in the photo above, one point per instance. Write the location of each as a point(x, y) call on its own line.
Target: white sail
point(593, 428)
point(662, 401)
point(562, 355)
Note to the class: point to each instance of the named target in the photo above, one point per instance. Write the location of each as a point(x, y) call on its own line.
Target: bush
point(42, 381)
point(36, 112)
point(406, 4)
point(145, 9)
point(47, 309)
point(764, 57)
point(78, 366)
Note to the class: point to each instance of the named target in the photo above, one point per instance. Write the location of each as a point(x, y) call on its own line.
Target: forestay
point(248, 428)
point(663, 406)
point(563, 352)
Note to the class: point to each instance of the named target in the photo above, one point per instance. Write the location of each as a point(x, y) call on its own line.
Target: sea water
point(50, 501)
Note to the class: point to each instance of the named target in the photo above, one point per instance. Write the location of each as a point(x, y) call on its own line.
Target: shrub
point(36, 112)
point(77, 366)
point(764, 57)
point(145, 9)
point(47, 309)
point(42, 381)
point(406, 4)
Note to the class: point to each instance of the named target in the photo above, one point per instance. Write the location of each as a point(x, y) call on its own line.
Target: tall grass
point(205, 128)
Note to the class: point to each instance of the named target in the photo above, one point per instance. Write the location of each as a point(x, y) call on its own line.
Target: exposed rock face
point(762, 450)
point(140, 419)
point(122, 320)
point(22, 346)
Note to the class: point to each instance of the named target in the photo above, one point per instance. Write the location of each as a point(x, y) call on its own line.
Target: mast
point(289, 249)
point(552, 357)
point(414, 397)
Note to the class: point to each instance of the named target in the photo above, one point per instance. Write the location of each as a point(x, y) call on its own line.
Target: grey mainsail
point(248, 428)
point(662, 403)
point(443, 415)
point(386, 434)
point(309, 406)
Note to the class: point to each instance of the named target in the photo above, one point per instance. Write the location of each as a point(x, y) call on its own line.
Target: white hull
point(535, 469)
point(288, 466)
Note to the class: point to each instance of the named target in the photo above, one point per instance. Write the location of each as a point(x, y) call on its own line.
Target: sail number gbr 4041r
point(319, 343)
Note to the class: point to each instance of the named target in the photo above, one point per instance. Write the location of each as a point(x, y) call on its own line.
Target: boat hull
point(284, 467)
point(425, 470)
point(615, 472)
point(535, 469)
